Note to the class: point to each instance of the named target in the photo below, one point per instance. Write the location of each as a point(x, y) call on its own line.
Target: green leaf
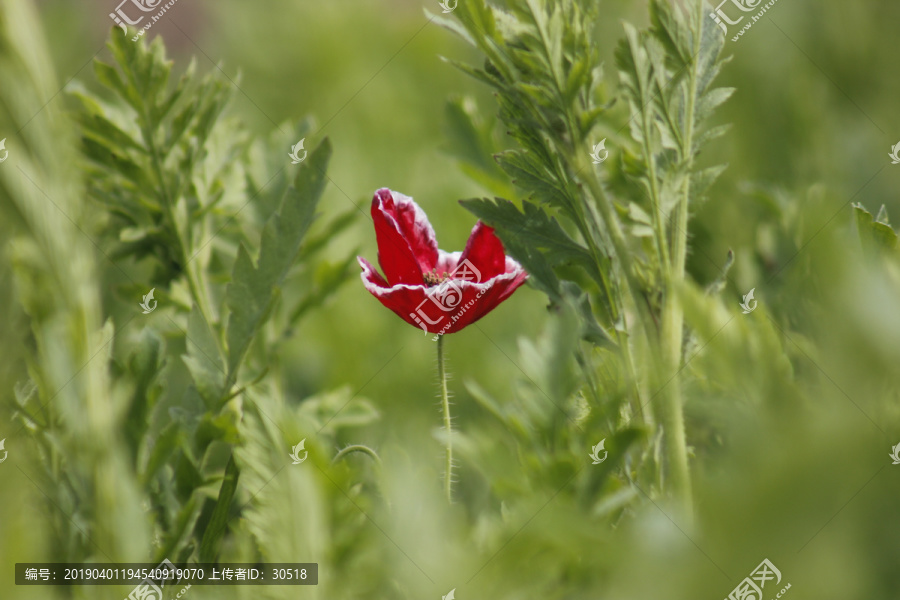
point(450, 25)
point(875, 233)
point(327, 279)
point(591, 330)
point(254, 287)
point(109, 77)
point(469, 140)
point(669, 27)
point(215, 528)
point(164, 447)
point(203, 360)
point(532, 226)
point(718, 285)
point(532, 175)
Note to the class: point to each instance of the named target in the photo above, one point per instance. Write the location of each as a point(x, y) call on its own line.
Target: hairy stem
point(659, 222)
point(673, 314)
point(445, 399)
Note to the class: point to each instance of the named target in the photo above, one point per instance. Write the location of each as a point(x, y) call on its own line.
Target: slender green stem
point(673, 314)
point(356, 448)
point(445, 399)
point(659, 224)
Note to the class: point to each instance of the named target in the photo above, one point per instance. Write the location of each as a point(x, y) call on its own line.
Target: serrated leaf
point(531, 174)
point(203, 360)
point(702, 180)
point(533, 226)
point(103, 155)
point(109, 77)
point(669, 27)
point(712, 100)
point(590, 329)
point(253, 288)
point(481, 75)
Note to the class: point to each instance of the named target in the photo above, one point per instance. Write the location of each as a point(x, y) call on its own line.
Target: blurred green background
point(792, 436)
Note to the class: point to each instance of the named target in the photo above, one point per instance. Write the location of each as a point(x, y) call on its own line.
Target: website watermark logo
point(723, 19)
point(895, 153)
point(746, 302)
point(148, 588)
point(447, 6)
point(595, 453)
point(595, 155)
point(451, 595)
point(6, 152)
point(895, 454)
point(296, 159)
point(123, 18)
point(751, 588)
point(295, 452)
point(147, 299)
point(447, 295)
point(6, 454)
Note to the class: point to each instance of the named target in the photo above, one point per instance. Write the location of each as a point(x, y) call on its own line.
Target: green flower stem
point(445, 399)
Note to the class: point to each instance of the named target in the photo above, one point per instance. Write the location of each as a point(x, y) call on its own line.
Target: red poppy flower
point(438, 291)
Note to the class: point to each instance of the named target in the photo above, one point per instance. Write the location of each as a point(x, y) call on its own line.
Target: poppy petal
point(446, 308)
point(406, 243)
point(480, 277)
point(484, 251)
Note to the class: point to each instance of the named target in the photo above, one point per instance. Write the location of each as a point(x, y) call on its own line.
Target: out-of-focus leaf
point(254, 287)
point(875, 233)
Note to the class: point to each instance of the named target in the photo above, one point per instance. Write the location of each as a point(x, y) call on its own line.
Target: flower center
point(432, 278)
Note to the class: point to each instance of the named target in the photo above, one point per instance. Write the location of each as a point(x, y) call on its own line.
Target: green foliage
point(665, 76)
point(151, 163)
point(626, 256)
point(165, 166)
point(128, 440)
point(64, 401)
point(252, 291)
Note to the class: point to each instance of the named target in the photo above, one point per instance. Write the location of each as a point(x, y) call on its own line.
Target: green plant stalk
point(670, 401)
point(662, 242)
point(673, 314)
point(669, 406)
point(613, 296)
point(445, 400)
